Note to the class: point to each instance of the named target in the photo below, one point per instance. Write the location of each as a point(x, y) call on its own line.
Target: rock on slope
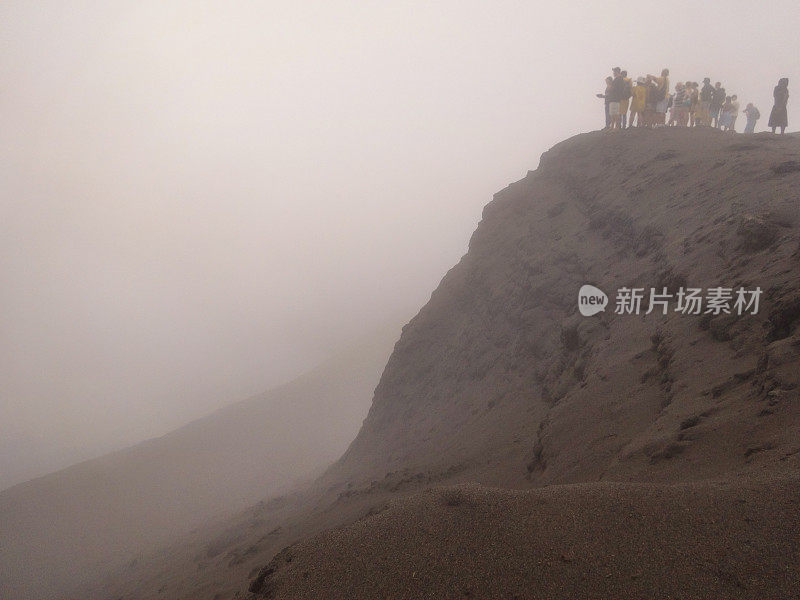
point(500, 381)
point(66, 529)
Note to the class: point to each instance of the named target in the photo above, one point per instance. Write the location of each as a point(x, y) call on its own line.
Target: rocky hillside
point(616, 455)
point(501, 375)
point(500, 380)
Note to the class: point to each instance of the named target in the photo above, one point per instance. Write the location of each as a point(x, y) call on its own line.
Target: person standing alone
point(778, 117)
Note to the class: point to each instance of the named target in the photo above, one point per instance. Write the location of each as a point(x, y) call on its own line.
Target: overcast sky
point(203, 199)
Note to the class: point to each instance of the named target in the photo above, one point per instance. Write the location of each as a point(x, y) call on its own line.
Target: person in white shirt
point(734, 112)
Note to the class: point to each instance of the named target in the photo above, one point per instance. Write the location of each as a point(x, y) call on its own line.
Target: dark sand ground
point(710, 540)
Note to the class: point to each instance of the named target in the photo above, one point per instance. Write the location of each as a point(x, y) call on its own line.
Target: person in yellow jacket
point(638, 102)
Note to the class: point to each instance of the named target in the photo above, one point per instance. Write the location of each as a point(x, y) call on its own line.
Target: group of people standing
point(690, 105)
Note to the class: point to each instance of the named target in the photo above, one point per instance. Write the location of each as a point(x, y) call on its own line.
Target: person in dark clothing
point(627, 92)
point(706, 94)
point(717, 100)
point(707, 91)
point(607, 96)
point(616, 96)
point(778, 116)
point(660, 97)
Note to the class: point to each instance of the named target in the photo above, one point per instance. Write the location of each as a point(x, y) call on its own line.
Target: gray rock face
point(500, 375)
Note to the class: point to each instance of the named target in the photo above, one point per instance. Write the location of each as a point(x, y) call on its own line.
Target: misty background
point(201, 200)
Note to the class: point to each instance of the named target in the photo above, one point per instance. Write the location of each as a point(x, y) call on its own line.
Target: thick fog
point(203, 199)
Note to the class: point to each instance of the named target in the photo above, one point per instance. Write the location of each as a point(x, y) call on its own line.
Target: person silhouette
point(778, 117)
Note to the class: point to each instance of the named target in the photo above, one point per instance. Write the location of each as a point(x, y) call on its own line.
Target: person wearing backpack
point(753, 115)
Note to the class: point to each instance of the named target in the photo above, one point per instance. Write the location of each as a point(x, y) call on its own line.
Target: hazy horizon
point(202, 200)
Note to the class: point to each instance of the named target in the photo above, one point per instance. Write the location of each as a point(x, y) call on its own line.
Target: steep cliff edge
point(681, 431)
point(499, 374)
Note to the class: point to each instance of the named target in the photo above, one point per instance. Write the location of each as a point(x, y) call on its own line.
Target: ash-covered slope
point(693, 541)
point(500, 375)
point(499, 381)
point(685, 428)
point(67, 529)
